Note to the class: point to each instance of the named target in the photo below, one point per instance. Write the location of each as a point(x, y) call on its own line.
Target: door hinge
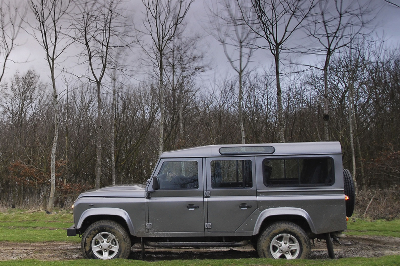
point(207, 193)
point(208, 225)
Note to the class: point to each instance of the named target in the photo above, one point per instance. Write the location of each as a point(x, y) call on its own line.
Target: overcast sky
point(29, 55)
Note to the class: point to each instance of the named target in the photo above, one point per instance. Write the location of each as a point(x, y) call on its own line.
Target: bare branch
point(11, 19)
point(390, 2)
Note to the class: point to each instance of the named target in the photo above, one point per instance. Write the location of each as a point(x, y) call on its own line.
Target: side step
point(196, 244)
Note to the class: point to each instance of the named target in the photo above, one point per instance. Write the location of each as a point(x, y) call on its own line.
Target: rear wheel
point(283, 240)
point(105, 240)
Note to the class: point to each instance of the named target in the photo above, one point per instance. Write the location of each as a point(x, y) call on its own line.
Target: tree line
point(97, 129)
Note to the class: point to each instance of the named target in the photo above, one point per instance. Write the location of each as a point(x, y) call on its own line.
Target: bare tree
point(183, 64)
point(11, 18)
point(116, 67)
point(276, 21)
point(49, 15)
point(161, 24)
point(349, 72)
point(335, 25)
point(20, 104)
point(97, 26)
point(230, 30)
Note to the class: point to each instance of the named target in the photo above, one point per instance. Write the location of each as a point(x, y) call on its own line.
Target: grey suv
point(274, 196)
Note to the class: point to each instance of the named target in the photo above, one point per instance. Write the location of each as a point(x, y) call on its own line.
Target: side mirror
point(156, 184)
point(151, 186)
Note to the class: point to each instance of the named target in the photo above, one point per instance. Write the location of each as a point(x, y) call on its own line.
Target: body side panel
point(132, 210)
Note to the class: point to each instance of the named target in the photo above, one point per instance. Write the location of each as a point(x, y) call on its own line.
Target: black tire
point(283, 240)
point(349, 190)
point(105, 239)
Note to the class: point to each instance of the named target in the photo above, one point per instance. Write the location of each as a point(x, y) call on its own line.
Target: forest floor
point(351, 246)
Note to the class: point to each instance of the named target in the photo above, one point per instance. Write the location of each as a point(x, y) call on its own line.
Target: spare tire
point(349, 190)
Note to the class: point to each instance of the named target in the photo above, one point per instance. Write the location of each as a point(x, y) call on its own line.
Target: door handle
point(191, 207)
point(244, 206)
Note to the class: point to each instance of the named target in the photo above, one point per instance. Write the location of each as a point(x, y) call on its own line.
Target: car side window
point(178, 175)
point(231, 174)
point(298, 172)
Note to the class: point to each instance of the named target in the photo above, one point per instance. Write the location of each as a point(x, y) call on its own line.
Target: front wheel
point(283, 240)
point(105, 240)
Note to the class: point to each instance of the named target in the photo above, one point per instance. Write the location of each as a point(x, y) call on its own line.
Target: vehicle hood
point(127, 191)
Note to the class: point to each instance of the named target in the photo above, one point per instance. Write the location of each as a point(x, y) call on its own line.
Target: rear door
point(230, 194)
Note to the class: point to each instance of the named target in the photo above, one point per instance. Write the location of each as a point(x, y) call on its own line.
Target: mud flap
point(329, 246)
point(143, 250)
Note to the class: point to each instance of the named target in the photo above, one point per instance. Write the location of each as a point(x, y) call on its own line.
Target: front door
point(231, 194)
point(177, 208)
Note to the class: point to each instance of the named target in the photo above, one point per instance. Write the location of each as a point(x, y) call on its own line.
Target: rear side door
point(177, 208)
point(230, 194)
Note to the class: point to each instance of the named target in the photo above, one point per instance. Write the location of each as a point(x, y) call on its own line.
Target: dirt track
point(359, 246)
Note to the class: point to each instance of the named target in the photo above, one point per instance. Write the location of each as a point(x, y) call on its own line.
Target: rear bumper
point(71, 231)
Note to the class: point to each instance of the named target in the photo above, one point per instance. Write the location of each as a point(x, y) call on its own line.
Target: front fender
point(284, 211)
point(106, 212)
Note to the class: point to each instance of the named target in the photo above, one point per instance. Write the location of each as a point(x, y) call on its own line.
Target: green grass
point(387, 260)
point(35, 226)
point(374, 228)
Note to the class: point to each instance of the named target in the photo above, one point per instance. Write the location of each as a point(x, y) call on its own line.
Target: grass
point(37, 226)
point(373, 228)
point(387, 260)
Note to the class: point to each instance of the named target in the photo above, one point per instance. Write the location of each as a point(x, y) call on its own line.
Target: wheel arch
point(294, 215)
point(114, 214)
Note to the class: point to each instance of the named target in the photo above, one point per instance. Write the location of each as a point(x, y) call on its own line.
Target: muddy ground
point(352, 246)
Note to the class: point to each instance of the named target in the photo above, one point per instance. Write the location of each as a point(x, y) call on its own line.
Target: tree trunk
point(363, 182)
point(242, 132)
point(66, 177)
point(50, 204)
point(161, 95)
point(351, 128)
point(181, 123)
point(281, 125)
point(113, 174)
point(326, 101)
point(98, 137)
